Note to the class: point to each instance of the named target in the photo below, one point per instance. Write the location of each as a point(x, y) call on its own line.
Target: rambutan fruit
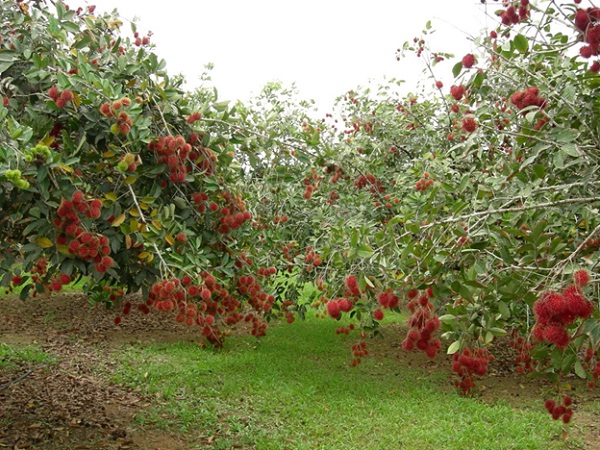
point(468, 61)
point(378, 314)
point(581, 278)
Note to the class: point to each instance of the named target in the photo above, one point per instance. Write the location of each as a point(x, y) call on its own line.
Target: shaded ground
point(65, 404)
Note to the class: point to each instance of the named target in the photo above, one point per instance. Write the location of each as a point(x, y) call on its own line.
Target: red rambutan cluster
point(424, 182)
point(470, 363)
point(174, 152)
point(555, 312)
point(266, 271)
point(515, 12)
point(233, 213)
point(199, 199)
point(336, 307)
point(457, 92)
point(38, 271)
point(469, 124)
point(60, 99)
point(591, 365)
point(588, 22)
point(311, 184)
point(369, 180)
point(387, 299)
point(194, 117)
point(423, 324)
point(141, 40)
point(111, 109)
point(523, 349)
point(352, 289)
point(92, 247)
point(57, 283)
point(257, 297)
point(528, 97)
point(359, 350)
point(312, 258)
point(560, 410)
point(208, 304)
point(345, 330)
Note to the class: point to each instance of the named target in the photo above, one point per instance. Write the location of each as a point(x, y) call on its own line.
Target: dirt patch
point(66, 404)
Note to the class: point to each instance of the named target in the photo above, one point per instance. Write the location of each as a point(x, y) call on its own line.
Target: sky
point(325, 47)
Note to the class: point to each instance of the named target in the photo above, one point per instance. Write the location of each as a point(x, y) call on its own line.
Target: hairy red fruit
point(378, 314)
point(67, 96)
point(53, 93)
point(457, 92)
point(469, 124)
point(581, 278)
point(468, 61)
point(333, 309)
point(60, 103)
point(64, 278)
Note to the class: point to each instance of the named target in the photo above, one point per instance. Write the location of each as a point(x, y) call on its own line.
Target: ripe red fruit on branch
point(53, 93)
point(457, 92)
point(333, 309)
point(528, 97)
point(469, 124)
point(468, 61)
point(581, 278)
point(378, 314)
point(194, 117)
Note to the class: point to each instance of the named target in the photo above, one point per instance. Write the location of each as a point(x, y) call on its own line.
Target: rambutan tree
point(110, 170)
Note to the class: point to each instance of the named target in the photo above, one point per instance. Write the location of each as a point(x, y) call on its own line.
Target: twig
point(513, 209)
point(22, 377)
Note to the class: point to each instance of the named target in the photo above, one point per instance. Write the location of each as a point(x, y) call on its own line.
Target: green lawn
point(294, 389)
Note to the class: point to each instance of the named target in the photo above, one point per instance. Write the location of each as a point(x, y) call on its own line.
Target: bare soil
point(65, 404)
point(68, 404)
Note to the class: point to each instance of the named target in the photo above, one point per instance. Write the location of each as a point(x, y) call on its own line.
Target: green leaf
point(454, 347)
point(498, 332)
point(568, 362)
point(504, 310)
point(559, 160)
point(521, 43)
point(447, 318)
point(364, 251)
point(571, 150)
point(564, 135)
point(456, 69)
point(579, 370)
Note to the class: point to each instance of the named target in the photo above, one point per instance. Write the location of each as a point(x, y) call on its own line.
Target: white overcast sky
point(326, 47)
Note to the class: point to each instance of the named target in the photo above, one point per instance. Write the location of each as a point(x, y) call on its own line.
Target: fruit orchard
point(473, 207)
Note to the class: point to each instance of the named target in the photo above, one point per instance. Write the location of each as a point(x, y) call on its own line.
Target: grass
point(294, 389)
point(12, 356)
